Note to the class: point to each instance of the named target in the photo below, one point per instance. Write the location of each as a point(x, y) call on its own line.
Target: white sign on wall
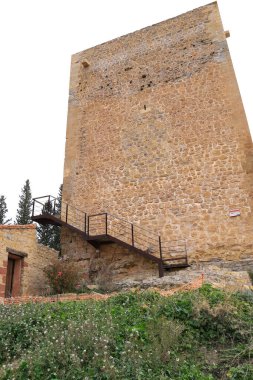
point(235, 212)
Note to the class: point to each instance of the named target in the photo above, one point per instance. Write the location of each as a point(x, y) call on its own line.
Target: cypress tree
point(24, 205)
point(3, 210)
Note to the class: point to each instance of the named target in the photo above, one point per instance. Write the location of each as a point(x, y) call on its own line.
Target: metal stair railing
point(175, 251)
point(98, 226)
point(131, 234)
point(47, 205)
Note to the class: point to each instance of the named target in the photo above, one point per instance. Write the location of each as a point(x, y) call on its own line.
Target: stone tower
point(157, 135)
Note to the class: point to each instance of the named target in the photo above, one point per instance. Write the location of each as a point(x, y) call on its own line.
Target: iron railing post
point(106, 223)
point(67, 208)
point(88, 225)
point(160, 247)
point(132, 233)
point(33, 207)
point(54, 207)
point(186, 256)
point(85, 218)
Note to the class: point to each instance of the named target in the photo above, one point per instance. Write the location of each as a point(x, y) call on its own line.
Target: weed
point(205, 334)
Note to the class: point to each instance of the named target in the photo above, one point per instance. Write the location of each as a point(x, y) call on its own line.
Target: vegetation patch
point(204, 334)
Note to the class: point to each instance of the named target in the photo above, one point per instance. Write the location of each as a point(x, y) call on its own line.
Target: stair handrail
point(161, 246)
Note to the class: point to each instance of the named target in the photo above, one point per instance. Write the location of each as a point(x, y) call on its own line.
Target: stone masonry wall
point(157, 135)
point(23, 238)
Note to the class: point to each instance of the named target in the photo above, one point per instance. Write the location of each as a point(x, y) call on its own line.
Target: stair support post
point(160, 265)
point(161, 269)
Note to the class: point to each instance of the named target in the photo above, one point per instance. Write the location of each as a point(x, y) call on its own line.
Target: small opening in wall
point(143, 76)
point(85, 63)
point(145, 107)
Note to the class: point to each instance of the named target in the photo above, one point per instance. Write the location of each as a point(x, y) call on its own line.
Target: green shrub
point(63, 276)
point(242, 372)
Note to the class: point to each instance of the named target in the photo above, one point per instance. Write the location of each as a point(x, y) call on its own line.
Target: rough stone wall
point(232, 275)
point(157, 134)
point(110, 260)
point(23, 238)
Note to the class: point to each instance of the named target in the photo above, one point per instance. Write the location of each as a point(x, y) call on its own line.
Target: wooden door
point(9, 277)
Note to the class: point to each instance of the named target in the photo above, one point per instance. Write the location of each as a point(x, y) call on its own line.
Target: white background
point(37, 40)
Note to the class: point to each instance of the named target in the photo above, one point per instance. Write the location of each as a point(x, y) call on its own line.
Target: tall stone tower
point(157, 135)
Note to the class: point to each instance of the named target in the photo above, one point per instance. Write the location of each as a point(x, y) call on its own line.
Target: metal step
point(171, 266)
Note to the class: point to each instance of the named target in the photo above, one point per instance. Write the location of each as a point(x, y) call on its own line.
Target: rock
point(92, 287)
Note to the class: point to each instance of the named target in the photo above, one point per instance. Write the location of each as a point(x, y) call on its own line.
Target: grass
point(205, 334)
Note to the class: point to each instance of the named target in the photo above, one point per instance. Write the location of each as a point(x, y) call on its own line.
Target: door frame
point(13, 284)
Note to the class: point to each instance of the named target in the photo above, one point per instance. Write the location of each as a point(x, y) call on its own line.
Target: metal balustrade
point(102, 227)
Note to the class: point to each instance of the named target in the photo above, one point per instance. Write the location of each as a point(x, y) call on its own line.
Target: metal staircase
point(104, 228)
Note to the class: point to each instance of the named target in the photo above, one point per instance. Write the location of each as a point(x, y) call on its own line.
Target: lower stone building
point(22, 261)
